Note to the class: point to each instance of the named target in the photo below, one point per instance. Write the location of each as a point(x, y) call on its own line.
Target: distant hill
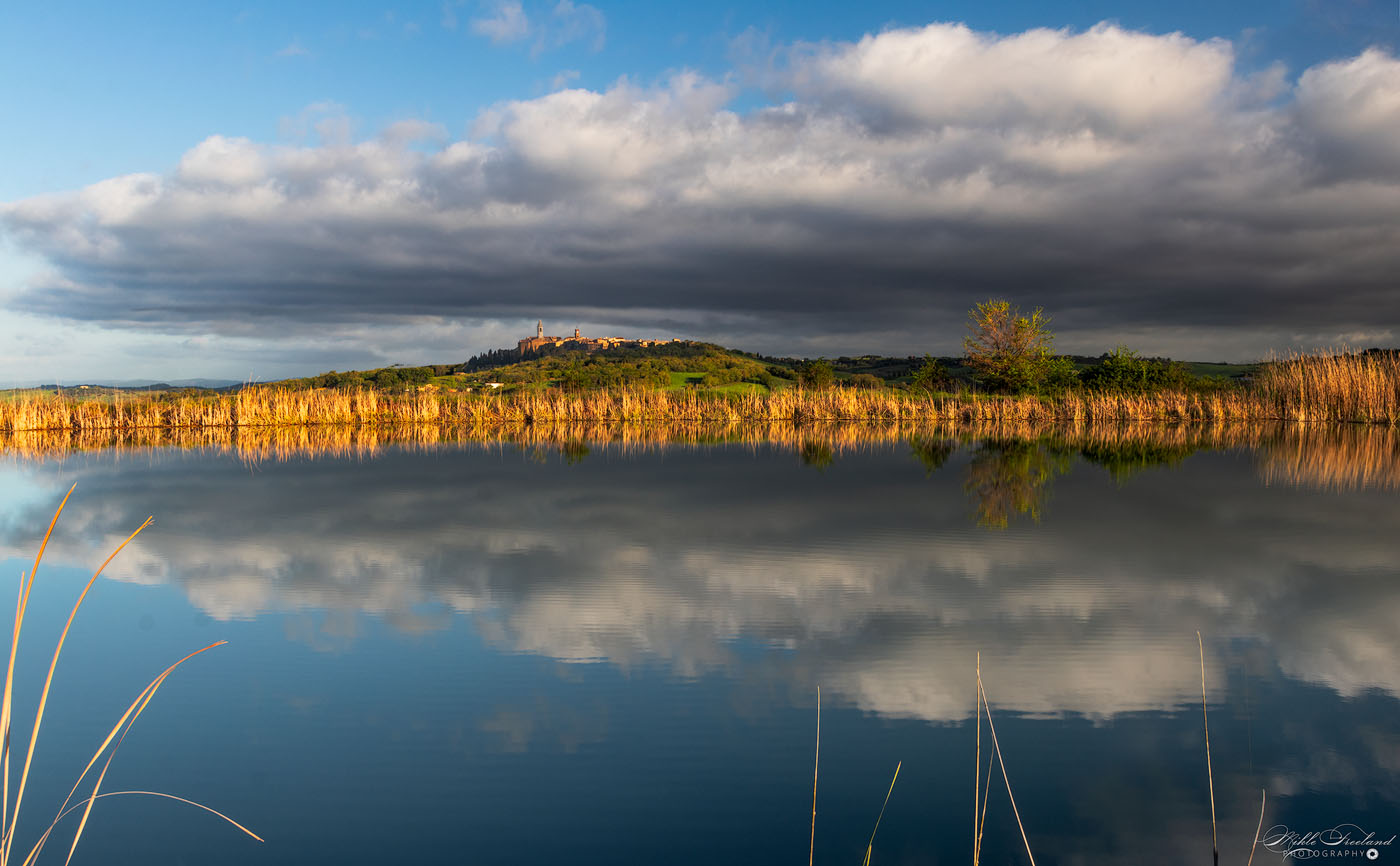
point(668, 365)
point(672, 365)
point(129, 384)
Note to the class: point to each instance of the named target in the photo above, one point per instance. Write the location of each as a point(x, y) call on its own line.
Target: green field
point(681, 379)
point(671, 367)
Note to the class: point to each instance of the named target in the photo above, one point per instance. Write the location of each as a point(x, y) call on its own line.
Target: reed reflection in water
point(1013, 467)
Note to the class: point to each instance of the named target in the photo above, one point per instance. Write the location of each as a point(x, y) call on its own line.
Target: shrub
point(930, 377)
point(817, 375)
point(1122, 371)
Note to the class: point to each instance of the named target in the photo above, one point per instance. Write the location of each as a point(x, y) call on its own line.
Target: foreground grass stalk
point(123, 726)
point(982, 823)
point(117, 734)
point(870, 848)
point(996, 744)
point(979, 821)
point(816, 760)
point(1210, 776)
point(7, 709)
point(48, 681)
point(1263, 798)
point(977, 772)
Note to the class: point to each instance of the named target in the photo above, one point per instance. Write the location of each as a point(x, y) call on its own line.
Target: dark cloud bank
point(1137, 186)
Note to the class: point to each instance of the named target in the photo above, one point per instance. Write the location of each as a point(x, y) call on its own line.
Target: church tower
point(539, 329)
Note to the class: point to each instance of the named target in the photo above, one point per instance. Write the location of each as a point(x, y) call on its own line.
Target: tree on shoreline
point(1011, 352)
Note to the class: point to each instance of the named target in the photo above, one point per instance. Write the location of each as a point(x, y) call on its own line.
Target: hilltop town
point(531, 345)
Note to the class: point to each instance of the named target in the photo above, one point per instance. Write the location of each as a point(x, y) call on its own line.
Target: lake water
point(606, 654)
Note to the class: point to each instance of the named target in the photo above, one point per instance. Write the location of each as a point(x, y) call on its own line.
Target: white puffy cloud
point(1107, 80)
point(1351, 111)
point(228, 162)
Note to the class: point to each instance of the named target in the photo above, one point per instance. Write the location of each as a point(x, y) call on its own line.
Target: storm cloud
point(1138, 186)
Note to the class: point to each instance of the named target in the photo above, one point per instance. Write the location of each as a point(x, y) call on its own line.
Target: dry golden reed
point(9, 813)
point(1332, 386)
point(1326, 387)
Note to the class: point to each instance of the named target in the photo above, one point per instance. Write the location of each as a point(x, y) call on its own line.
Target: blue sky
point(93, 91)
point(102, 89)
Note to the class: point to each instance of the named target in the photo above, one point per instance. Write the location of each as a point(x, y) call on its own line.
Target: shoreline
point(1329, 388)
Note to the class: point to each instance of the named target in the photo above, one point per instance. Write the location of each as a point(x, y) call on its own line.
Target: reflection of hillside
point(867, 575)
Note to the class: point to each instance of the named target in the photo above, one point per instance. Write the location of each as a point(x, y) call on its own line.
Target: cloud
point(294, 49)
point(573, 22)
point(1132, 184)
point(1350, 112)
point(506, 23)
point(549, 28)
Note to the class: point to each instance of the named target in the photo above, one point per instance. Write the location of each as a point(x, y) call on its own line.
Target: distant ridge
point(130, 383)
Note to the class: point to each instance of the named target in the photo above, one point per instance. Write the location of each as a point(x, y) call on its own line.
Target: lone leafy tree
point(1009, 351)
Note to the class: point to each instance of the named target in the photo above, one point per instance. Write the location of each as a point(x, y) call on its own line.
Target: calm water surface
point(495, 655)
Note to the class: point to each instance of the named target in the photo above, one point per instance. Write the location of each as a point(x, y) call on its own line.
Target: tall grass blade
point(5, 733)
point(169, 797)
point(982, 823)
point(1210, 776)
point(996, 744)
point(48, 684)
point(123, 726)
point(979, 822)
point(816, 760)
point(1263, 798)
point(869, 849)
point(9, 819)
point(7, 705)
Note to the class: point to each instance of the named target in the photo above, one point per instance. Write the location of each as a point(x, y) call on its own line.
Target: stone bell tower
point(539, 329)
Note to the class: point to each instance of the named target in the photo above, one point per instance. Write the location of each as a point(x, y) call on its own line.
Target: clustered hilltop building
point(588, 344)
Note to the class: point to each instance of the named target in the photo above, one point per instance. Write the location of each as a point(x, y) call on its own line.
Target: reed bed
point(1333, 386)
point(1330, 387)
point(272, 406)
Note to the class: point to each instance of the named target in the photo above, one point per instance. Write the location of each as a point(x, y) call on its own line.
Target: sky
point(255, 190)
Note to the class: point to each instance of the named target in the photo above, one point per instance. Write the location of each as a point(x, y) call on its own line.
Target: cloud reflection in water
point(870, 577)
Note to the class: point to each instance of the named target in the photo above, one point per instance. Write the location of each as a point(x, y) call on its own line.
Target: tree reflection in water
point(1012, 476)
